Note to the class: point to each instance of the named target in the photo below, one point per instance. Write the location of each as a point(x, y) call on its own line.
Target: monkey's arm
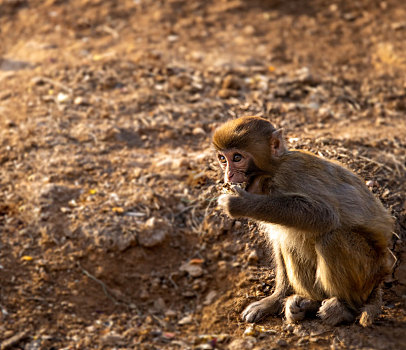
point(289, 209)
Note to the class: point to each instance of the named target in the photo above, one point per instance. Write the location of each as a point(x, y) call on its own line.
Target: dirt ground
point(110, 235)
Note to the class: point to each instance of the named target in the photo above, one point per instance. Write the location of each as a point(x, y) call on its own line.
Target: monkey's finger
point(239, 190)
point(223, 201)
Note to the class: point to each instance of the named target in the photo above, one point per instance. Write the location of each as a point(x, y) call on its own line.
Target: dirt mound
point(110, 235)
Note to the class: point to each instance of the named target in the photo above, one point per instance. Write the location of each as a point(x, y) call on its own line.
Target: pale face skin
point(238, 167)
point(234, 164)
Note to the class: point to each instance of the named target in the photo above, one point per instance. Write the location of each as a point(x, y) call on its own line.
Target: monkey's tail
point(372, 309)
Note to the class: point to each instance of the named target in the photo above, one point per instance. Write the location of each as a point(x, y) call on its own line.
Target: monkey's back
point(330, 182)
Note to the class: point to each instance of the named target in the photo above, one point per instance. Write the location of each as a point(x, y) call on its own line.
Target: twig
point(394, 257)
point(111, 31)
point(53, 82)
point(377, 163)
point(172, 281)
point(107, 292)
point(8, 343)
point(102, 284)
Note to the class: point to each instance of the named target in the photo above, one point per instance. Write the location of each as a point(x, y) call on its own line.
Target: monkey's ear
point(278, 147)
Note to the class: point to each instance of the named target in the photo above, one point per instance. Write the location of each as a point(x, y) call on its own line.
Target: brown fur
point(329, 233)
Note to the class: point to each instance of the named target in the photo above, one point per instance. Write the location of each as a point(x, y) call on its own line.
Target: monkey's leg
point(349, 270)
point(333, 312)
point(274, 303)
point(297, 307)
point(372, 309)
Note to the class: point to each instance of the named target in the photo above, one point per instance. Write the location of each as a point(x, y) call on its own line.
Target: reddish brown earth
point(110, 236)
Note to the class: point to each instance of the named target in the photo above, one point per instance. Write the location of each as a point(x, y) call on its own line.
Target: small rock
point(170, 313)
point(112, 339)
point(325, 113)
point(249, 30)
point(198, 131)
point(398, 25)
point(237, 225)
point(231, 82)
point(282, 342)
point(159, 305)
point(62, 98)
point(172, 38)
point(154, 232)
point(81, 101)
point(253, 257)
point(333, 8)
point(227, 93)
point(193, 270)
point(210, 297)
point(185, 320)
point(250, 331)
point(242, 344)
point(144, 295)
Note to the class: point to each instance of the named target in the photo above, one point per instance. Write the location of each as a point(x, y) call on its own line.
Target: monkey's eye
point(237, 157)
point(222, 159)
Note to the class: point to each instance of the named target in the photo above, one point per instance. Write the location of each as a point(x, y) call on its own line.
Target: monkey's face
point(238, 166)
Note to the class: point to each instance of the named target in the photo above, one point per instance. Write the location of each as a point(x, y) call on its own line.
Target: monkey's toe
point(253, 313)
point(366, 319)
point(297, 308)
point(333, 312)
point(260, 309)
point(293, 310)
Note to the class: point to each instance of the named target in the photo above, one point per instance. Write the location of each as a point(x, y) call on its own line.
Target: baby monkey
point(328, 232)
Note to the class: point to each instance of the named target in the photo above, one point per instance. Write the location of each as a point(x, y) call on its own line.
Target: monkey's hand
point(225, 202)
point(235, 205)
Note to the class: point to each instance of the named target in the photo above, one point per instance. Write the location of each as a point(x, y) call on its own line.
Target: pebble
point(282, 342)
point(237, 224)
point(210, 297)
point(227, 93)
point(254, 330)
point(193, 270)
point(231, 82)
point(159, 305)
point(253, 257)
point(81, 101)
point(170, 313)
point(185, 320)
point(246, 343)
point(112, 339)
point(154, 232)
point(198, 131)
point(62, 98)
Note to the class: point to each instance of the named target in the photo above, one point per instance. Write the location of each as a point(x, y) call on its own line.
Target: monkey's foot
point(258, 310)
point(333, 312)
point(372, 310)
point(296, 308)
